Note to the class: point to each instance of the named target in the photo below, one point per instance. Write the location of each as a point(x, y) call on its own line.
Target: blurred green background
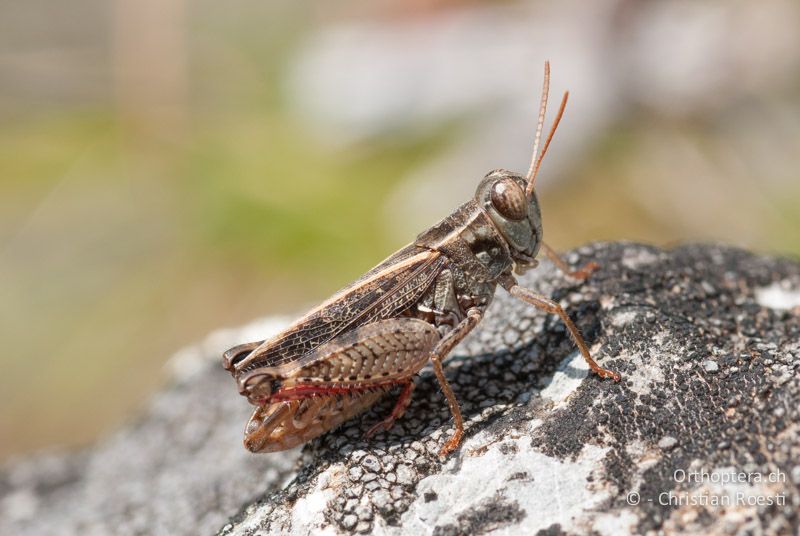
point(162, 176)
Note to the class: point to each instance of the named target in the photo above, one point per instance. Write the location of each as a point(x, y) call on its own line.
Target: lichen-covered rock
point(701, 436)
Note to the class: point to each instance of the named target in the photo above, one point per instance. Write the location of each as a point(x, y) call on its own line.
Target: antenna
point(540, 122)
point(536, 161)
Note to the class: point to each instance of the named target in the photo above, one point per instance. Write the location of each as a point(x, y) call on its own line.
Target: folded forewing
point(384, 292)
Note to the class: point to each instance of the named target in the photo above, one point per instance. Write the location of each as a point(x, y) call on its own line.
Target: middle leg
point(403, 400)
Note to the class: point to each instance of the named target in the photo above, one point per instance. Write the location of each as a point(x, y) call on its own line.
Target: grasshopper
point(411, 309)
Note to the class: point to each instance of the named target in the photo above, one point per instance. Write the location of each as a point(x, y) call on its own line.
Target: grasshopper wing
point(383, 292)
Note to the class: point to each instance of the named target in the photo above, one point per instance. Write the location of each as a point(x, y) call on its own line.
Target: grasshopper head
point(510, 200)
point(515, 214)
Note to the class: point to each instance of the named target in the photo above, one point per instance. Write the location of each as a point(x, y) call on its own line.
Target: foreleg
point(581, 273)
point(542, 302)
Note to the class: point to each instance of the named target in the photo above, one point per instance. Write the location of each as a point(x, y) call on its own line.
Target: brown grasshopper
point(412, 308)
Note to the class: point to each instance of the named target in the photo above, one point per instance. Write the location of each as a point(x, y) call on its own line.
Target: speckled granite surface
point(701, 436)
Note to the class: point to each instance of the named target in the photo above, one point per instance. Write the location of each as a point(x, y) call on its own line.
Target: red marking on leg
point(300, 392)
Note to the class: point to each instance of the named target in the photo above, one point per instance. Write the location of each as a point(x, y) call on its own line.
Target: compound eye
point(509, 199)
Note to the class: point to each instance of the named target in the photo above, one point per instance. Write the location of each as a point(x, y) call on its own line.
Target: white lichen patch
point(308, 513)
point(662, 338)
point(648, 371)
point(622, 318)
point(567, 378)
point(547, 490)
point(607, 302)
point(778, 296)
point(643, 455)
point(20, 505)
point(637, 258)
point(623, 522)
point(306, 516)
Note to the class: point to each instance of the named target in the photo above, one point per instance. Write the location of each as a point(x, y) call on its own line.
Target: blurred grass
point(292, 206)
point(654, 181)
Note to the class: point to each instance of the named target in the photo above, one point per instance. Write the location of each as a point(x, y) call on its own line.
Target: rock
point(667, 443)
point(674, 447)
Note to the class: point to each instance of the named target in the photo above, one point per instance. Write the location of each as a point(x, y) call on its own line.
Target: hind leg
point(403, 400)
